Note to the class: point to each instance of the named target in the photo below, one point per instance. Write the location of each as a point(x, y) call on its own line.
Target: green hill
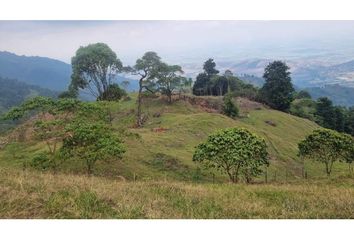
point(157, 179)
point(164, 147)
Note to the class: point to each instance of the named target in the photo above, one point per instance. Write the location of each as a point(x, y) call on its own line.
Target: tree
point(77, 126)
point(91, 142)
point(145, 67)
point(230, 109)
point(209, 67)
point(304, 107)
point(200, 86)
point(169, 79)
point(348, 155)
point(349, 121)
point(234, 151)
point(277, 90)
point(325, 113)
point(219, 85)
point(94, 68)
point(325, 146)
point(49, 126)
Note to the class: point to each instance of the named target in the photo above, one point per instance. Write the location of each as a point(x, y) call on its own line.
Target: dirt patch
point(160, 129)
point(247, 105)
point(207, 104)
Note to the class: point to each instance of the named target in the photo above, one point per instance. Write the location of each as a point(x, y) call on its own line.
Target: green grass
point(27, 194)
point(185, 127)
point(168, 183)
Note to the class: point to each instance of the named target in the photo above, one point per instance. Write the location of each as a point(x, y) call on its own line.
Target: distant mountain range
point(305, 73)
point(41, 71)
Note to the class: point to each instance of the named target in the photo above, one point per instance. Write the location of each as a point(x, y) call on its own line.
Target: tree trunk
point(138, 115)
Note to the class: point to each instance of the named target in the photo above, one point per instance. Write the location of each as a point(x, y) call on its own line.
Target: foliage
point(209, 67)
point(145, 67)
point(277, 90)
point(230, 109)
point(218, 85)
point(304, 107)
point(94, 68)
point(113, 93)
point(91, 142)
point(169, 79)
point(234, 151)
point(325, 146)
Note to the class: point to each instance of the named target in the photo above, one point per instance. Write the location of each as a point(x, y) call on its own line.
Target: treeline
point(211, 83)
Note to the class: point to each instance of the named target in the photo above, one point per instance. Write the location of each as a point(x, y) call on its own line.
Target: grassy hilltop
point(158, 179)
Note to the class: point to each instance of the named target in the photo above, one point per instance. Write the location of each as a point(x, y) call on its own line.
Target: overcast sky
point(176, 40)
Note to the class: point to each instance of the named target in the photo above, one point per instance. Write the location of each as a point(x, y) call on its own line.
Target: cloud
point(174, 40)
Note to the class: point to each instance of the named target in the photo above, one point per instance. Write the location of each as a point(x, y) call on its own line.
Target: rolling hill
point(157, 179)
point(165, 145)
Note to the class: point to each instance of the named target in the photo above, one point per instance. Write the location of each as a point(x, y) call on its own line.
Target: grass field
point(168, 183)
point(26, 194)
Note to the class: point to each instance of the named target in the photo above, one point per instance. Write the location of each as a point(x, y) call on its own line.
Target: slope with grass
point(164, 147)
point(157, 178)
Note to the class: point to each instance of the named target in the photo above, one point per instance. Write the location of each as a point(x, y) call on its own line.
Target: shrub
point(230, 109)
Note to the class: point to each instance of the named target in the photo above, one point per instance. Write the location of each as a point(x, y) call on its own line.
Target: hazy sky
point(176, 40)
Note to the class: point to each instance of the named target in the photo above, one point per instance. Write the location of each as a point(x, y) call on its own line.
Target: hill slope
point(164, 147)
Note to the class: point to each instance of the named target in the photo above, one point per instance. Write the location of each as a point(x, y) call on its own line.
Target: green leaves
point(94, 68)
point(277, 90)
point(233, 151)
point(91, 142)
point(326, 146)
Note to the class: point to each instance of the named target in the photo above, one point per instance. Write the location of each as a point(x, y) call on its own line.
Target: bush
point(230, 109)
point(113, 93)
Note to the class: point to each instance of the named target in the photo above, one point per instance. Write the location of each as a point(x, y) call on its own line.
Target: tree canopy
point(325, 146)
point(234, 151)
point(277, 90)
point(94, 68)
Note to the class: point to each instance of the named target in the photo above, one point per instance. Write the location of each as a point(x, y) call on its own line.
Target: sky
point(178, 41)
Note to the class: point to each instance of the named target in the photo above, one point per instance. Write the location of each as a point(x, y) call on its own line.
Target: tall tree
point(200, 86)
point(145, 67)
point(209, 67)
point(277, 90)
point(325, 113)
point(169, 79)
point(94, 68)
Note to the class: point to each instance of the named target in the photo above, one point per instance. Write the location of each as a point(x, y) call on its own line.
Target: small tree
point(145, 67)
point(234, 152)
point(91, 142)
point(169, 79)
point(230, 109)
point(325, 146)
